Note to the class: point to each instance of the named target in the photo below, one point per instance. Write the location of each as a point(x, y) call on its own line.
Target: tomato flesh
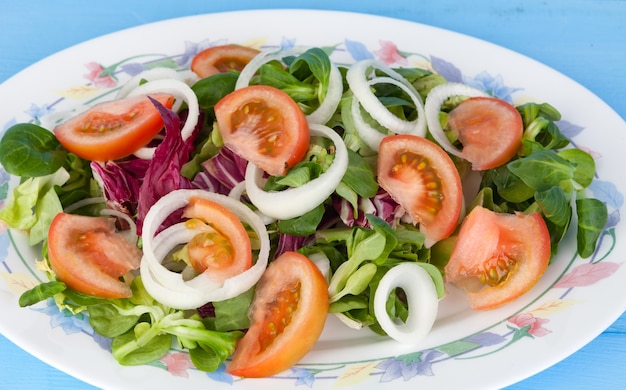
point(489, 129)
point(265, 126)
point(88, 255)
point(287, 317)
point(423, 179)
point(113, 130)
point(221, 59)
point(498, 257)
point(222, 249)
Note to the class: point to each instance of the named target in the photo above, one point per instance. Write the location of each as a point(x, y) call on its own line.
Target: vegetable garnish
point(296, 201)
point(271, 183)
point(171, 288)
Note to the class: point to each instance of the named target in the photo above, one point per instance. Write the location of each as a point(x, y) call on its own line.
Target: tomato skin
point(490, 130)
point(89, 256)
point(224, 250)
point(293, 290)
point(498, 257)
point(221, 59)
point(113, 130)
point(265, 126)
point(423, 179)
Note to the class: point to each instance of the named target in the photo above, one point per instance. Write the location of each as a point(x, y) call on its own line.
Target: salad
point(229, 208)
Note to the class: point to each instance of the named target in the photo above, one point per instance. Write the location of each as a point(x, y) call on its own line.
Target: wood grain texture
point(583, 39)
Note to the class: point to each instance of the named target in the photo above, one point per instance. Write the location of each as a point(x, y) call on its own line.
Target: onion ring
point(423, 302)
point(168, 287)
point(360, 87)
point(435, 99)
point(294, 202)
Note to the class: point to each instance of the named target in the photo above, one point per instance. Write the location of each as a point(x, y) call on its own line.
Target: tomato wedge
point(498, 257)
point(287, 317)
point(423, 179)
point(265, 126)
point(114, 129)
point(222, 250)
point(88, 255)
point(489, 129)
point(221, 59)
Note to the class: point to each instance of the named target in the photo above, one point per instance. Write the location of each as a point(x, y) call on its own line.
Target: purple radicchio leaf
point(289, 243)
point(227, 168)
point(163, 174)
point(381, 205)
point(121, 181)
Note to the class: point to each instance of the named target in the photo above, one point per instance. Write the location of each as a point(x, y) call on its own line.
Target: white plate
point(567, 309)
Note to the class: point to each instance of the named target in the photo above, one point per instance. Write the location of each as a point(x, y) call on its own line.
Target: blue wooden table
point(583, 39)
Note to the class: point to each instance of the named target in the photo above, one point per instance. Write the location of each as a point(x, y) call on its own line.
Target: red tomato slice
point(265, 126)
point(287, 317)
point(223, 249)
point(113, 130)
point(423, 179)
point(88, 255)
point(489, 129)
point(498, 257)
point(221, 59)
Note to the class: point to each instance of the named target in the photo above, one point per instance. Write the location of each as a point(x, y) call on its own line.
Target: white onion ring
point(180, 90)
point(435, 99)
point(331, 101)
point(423, 302)
point(237, 193)
point(168, 287)
point(360, 87)
point(154, 74)
point(367, 133)
point(294, 202)
point(248, 71)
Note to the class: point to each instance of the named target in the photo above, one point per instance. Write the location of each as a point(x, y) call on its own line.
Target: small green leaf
point(304, 225)
point(584, 163)
point(31, 151)
point(592, 217)
point(107, 321)
point(128, 352)
point(41, 292)
point(360, 176)
point(542, 170)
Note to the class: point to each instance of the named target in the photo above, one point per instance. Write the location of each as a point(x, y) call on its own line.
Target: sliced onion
point(168, 287)
point(435, 99)
point(178, 89)
point(331, 101)
point(154, 74)
point(296, 201)
point(357, 78)
point(248, 72)
point(422, 299)
point(237, 193)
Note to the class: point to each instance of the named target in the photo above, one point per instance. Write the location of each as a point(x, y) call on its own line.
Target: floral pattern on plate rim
point(531, 322)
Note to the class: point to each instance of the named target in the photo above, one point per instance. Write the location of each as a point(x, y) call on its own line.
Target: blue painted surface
point(583, 39)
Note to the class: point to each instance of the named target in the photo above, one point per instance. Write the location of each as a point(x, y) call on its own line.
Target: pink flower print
point(177, 363)
point(99, 77)
point(388, 53)
point(534, 324)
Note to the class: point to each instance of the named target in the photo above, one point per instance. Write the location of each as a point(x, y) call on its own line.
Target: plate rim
point(306, 11)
